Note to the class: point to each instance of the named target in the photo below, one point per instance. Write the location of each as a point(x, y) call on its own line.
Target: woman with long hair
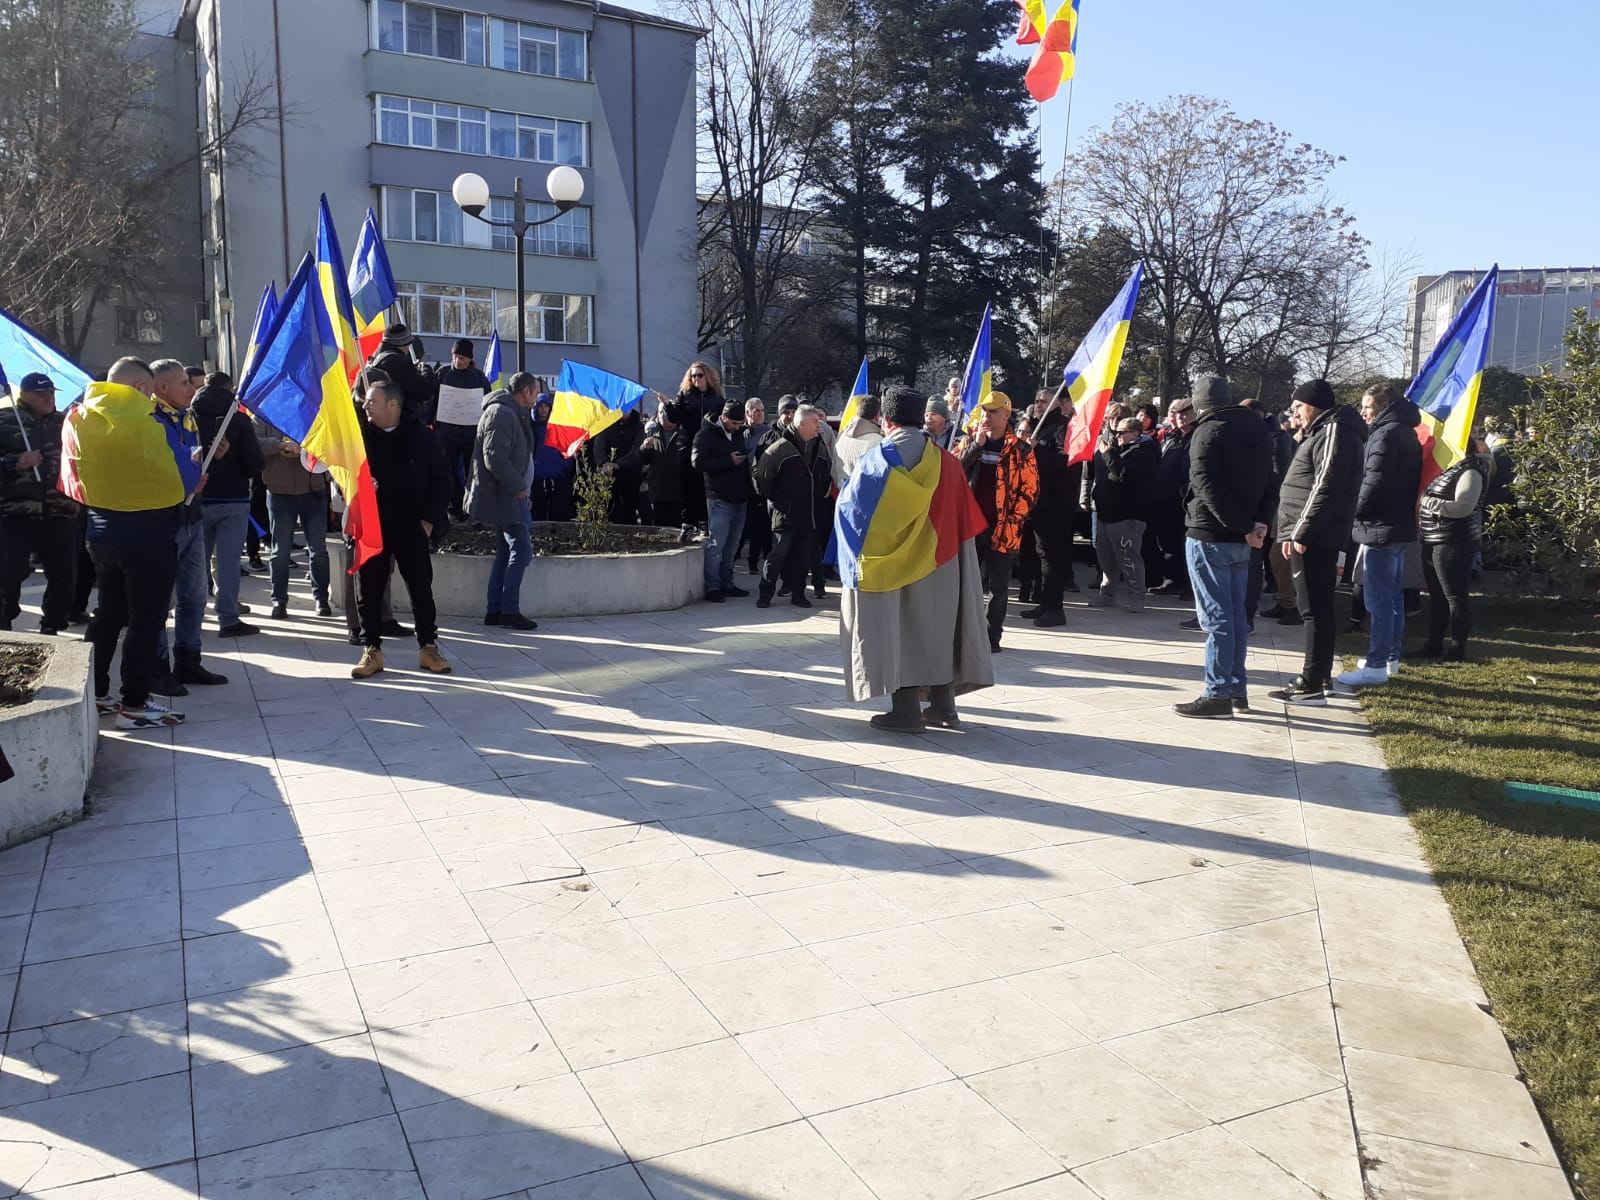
point(699, 400)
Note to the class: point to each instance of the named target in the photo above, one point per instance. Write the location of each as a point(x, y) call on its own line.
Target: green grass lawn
point(1523, 880)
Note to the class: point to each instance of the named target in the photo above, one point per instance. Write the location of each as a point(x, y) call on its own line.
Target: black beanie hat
point(903, 405)
point(1317, 393)
point(463, 347)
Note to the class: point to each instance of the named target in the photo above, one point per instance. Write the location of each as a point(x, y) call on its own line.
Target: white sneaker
point(148, 715)
point(1364, 677)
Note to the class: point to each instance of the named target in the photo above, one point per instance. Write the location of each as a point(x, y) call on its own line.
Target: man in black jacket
point(1316, 509)
point(1124, 482)
point(1230, 502)
point(1166, 513)
point(615, 451)
point(462, 388)
point(718, 455)
point(413, 489)
point(1055, 512)
point(794, 476)
point(1386, 522)
point(34, 514)
point(417, 387)
point(226, 514)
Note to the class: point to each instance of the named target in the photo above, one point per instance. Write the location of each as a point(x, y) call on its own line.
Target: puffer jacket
point(1016, 487)
point(1124, 480)
point(711, 453)
point(1232, 485)
point(1386, 508)
point(228, 480)
point(502, 463)
point(795, 477)
point(21, 495)
point(1452, 505)
point(1317, 502)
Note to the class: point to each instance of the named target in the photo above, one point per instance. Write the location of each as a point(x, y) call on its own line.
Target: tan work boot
point(371, 663)
point(431, 660)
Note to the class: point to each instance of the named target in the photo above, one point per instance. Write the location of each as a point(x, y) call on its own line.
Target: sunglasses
point(697, 374)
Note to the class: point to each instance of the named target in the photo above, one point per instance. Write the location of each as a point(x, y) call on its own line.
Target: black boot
point(905, 716)
point(166, 682)
point(190, 670)
point(941, 710)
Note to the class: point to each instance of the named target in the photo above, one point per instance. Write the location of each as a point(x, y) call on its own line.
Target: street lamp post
point(471, 193)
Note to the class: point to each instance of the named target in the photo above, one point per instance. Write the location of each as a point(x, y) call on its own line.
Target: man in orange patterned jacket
point(1005, 481)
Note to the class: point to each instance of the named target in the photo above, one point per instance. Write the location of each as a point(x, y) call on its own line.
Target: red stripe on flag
point(564, 438)
point(953, 510)
point(361, 518)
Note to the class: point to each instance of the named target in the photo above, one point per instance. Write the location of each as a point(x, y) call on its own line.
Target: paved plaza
point(638, 908)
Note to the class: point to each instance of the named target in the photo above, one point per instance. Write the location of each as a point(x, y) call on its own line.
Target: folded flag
point(371, 286)
point(1057, 38)
point(587, 401)
point(858, 393)
point(1092, 372)
point(24, 351)
point(265, 312)
point(116, 453)
point(1446, 389)
point(978, 379)
point(491, 362)
point(298, 385)
point(894, 525)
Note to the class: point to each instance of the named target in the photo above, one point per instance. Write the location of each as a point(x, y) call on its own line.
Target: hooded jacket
point(853, 441)
point(21, 495)
point(1232, 487)
point(1386, 507)
point(228, 478)
point(711, 453)
point(410, 477)
point(1317, 503)
point(418, 391)
point(502, 463)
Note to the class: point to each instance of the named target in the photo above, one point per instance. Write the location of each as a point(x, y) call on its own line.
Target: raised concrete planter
point(566, 585)
point(50, 743)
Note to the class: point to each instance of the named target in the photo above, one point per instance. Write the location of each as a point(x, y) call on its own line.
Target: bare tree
point(85, 171)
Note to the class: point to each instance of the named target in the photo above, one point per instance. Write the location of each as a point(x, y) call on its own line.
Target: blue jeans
point(513, 552)
point(311, 510)
point(725, 520)
point(226, 524)
point(1220, 572)
point(1385, 596)
point(188, 592)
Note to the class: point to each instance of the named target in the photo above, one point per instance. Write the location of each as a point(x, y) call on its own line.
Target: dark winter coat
point(1172, 474)
point(21, 495)
point(666, 458)
point(470, 378)
point(1059, 482)
point(1232, 486)
point(1386, 507)
point(620, 443)
point(693, 408)
point(795, 478)
point(712, 455)
point(229, 476)
point(410, 477)
point(419, 390)
point(548, 462)
point(1317, 503)
point(502, 458)
point(1124, 480)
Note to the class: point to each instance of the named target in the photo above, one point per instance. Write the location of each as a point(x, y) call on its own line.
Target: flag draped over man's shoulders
point(894, 526)
point(587, 401)
point(1446, 389)
point(1091, 374)
point(298, 385)
point(372, 288)
point(118, 454)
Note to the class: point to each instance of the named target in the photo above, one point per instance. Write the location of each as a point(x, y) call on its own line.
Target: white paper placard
point(459, 405)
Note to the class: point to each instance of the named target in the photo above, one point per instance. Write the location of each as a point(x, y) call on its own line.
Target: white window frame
point(420, 113)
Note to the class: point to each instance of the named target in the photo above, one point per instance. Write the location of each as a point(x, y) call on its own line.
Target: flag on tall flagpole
point(371, 285)
point(265, 312)
point(26, 351)
point(975, 383)
point(336, 294)
point(298, 385)
point(858, 393)
point(587, 401)
point(1446, 389)
point(1057, 38)
point(1092, 372)
point(491, 362)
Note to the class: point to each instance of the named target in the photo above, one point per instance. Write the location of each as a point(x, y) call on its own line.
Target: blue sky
point(1468, 126)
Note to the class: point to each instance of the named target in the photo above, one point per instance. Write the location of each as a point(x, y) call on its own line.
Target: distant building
point(1532, 310)
point(382, 104)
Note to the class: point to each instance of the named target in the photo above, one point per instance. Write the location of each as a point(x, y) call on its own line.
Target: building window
point(567, 236)
point(405, 27)
point(445, 310)
point(552, 317)
point(416, 215)
point(459, 128)
point(139, 326)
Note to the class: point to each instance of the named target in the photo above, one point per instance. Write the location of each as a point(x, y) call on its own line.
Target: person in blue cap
point(34, 514)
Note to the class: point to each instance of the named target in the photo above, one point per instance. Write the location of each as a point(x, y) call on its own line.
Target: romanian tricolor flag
point(491, 363)
point(976, 383)
point(1057, 39)
point(858, 393)
point(893, 526)
point(116, 453)
point(298, 384)
point(1446, 389)
point(265, 312)
point(1092, 372)
point(371, 285)
point(336, 294)
point(588, 400)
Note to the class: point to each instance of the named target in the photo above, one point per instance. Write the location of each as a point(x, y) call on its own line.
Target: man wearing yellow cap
point(1005, 482)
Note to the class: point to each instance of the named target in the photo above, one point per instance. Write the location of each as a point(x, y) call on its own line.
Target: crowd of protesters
point(1216, 505)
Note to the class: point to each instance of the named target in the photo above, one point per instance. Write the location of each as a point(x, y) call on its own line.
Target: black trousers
point(1052, 537)
point(407, 551)
point(1315, 574)
point(758, 531)
point(996, 568)
point(1168, 526)
point(1255, 584)
point(624, 508)
point(551, 499)
point(1447, 568)
point(353, 589)
point(819, 541)
point(789, 561)
point(83, 577)
point(135, 582)
point(260, 516)
point(456, 441)
point(666, 512)
point(54, 540)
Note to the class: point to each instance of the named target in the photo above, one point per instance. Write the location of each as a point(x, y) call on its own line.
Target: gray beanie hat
point(1210, 392)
